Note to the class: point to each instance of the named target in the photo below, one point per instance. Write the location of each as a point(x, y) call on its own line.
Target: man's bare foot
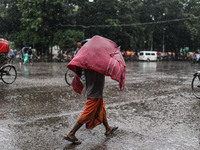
point(72, 139)
point(111, 130)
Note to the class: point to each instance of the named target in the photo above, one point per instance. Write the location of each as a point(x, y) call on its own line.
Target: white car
point(148, 55)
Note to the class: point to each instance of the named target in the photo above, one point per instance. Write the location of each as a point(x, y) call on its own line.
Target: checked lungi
point(93, 114)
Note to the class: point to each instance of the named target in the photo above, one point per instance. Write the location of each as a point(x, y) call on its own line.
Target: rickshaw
point(8, 73)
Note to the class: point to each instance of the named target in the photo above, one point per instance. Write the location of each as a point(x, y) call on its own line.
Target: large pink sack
point(102, 55)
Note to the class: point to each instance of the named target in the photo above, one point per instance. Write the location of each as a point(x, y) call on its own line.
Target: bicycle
point(8, 73)
point(11, 59)
point(196, 84)
point(69, 76)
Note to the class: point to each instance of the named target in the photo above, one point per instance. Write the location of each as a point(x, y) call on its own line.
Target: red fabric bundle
point(102, 55)
point(77, 84)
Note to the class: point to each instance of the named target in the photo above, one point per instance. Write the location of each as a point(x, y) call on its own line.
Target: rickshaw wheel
point(8, 74)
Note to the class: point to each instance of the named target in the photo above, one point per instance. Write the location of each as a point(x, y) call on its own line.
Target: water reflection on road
point(156, 110)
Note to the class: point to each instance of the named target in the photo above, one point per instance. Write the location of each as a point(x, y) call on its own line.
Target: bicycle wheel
point(69, 75)
point(196, 86)
point(8, 74)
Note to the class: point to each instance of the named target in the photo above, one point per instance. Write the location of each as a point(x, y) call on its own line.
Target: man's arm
point(78, 71)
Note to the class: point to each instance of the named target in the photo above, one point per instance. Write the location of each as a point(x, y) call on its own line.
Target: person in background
point(11, 55)
point(25, 56)
point(20, 56)
point(30, 53)
point(79, 45)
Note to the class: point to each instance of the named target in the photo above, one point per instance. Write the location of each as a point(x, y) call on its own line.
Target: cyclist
point(68, 75)
point(11, 55)
point(79, 45)
point(24, 54)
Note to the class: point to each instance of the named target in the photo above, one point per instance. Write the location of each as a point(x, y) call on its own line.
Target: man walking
point(94, 112)
point(98, 57)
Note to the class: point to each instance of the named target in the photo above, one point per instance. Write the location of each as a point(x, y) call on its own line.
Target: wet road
point(156, 110)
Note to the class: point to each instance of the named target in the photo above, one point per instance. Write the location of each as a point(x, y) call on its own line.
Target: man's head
point(79, 45)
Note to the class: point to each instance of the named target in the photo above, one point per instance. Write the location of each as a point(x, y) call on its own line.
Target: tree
point(192, 11)
point(105, 18)
point(68, 38)
point(43, 18)
point(9, 18)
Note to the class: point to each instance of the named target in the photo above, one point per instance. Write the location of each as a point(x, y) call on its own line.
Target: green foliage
point(192, 25)
point(9, 18)
point(68, 38)
point(43, 19)
point(25, 38)
point(114, 22)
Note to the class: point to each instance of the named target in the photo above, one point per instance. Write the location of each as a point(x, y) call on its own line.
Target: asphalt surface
point(155, 111)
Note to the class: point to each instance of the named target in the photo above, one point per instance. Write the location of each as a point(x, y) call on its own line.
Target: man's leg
point(71, 135)
point(109, 129)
